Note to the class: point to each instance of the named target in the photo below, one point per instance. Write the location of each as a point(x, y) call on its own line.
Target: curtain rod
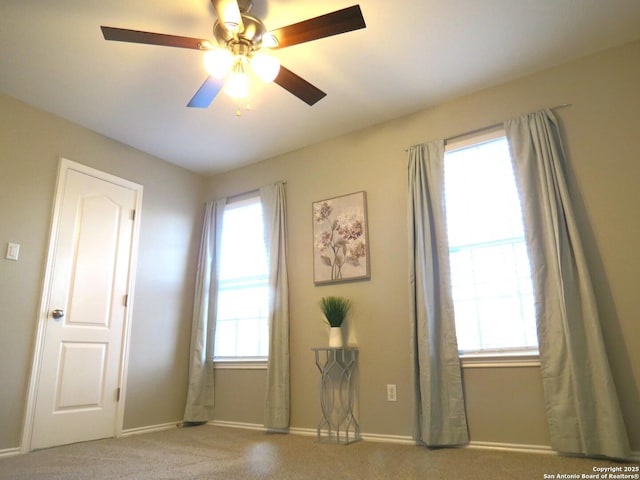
point(253, 190)
point(488, 127)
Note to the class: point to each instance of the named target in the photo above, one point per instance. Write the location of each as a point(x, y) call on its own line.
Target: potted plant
point(335, 311)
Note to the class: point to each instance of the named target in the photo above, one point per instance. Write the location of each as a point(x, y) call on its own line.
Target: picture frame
point(340, 239)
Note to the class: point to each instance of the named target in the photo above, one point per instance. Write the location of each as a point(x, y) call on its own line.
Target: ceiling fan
point(241, 43)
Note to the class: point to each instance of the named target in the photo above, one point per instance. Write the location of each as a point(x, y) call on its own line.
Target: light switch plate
point(13, 251)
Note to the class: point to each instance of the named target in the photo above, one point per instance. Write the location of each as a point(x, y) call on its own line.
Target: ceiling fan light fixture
point(265, 67)
point(218, 62)
point(237, 84)
point(240, 36)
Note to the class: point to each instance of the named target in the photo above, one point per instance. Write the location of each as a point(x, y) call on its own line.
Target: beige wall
point(31, 141)
point(504, 405)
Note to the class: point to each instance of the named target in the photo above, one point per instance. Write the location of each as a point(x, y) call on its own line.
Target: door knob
point(57, 314)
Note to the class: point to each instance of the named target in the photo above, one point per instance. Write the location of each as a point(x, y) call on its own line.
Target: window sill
point(500, 360)
point(240, 364)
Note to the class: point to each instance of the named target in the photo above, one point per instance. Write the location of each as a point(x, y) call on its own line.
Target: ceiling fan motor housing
point(250, 36)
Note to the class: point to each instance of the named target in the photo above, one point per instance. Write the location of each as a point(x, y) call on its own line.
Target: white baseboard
point(305, 432)
point(398, 439)
point(518, 447)
point(10, 452)
point(368, 437)
point(407, 440)
point(312, 432)
point(511, 447)
point(246, 426)
point(151, 428)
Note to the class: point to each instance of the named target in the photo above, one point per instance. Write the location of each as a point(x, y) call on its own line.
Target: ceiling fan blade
point(298, 86)
point(149, 38)
point(228, 13)
point(206, 93)
point(340, 21)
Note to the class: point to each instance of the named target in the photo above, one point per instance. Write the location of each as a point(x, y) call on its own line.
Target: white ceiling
point(412, 55)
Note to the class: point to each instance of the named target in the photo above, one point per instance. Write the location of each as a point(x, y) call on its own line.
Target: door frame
point(65, 166)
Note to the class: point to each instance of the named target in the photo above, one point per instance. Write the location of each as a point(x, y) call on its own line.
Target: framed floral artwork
point(340, 239)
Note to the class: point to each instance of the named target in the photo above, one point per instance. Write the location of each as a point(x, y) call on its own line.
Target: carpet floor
point(209, 452)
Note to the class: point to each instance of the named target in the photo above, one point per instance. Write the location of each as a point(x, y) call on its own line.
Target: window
point(490, 271)
point(242, 331)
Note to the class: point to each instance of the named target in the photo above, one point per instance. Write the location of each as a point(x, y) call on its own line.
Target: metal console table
point(337, 394)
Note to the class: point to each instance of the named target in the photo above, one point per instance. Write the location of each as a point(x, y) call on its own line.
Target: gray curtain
point(440, 413)
point(582, 407)
point(199, 406)
point(277, 405)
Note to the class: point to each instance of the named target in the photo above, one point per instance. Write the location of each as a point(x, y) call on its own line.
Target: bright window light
point(243, 293)
point(490, 270)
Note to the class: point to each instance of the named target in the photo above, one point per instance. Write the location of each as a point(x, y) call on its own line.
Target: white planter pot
point(335, 337)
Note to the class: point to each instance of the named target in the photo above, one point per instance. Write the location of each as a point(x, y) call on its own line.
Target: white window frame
point(245, 363)
point(237, 362)
point(500, 357)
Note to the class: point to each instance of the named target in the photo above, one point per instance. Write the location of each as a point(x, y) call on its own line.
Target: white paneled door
point(81, 351)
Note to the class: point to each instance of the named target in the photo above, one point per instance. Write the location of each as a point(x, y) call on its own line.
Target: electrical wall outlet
point(391, 392)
